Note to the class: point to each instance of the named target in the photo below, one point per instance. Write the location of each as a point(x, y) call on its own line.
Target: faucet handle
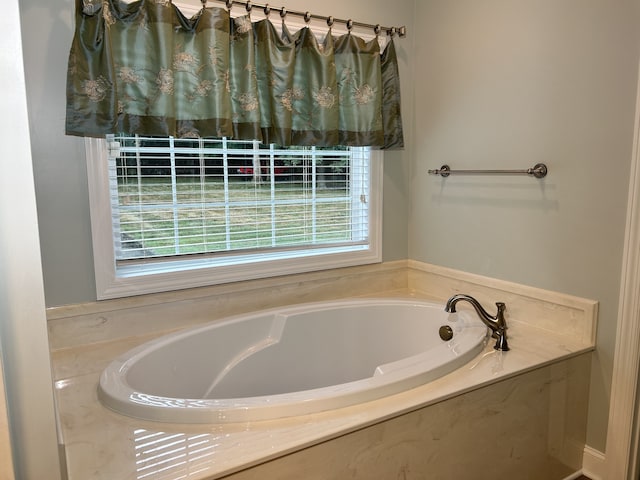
point(501, 342)
point(500, 314)
point(501, 334)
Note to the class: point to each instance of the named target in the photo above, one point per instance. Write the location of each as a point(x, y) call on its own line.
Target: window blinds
point(174, 197)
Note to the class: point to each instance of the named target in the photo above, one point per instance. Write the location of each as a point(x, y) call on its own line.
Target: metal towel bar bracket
point(538, 171)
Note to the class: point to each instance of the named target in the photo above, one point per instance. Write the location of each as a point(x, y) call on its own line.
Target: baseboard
point(593, 464)
point(574, 476)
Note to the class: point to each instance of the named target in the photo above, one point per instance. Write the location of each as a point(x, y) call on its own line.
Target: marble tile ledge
point(109, 320)
point(544, 328)
point(557, 313)
point(102, 445)
point(80, 325)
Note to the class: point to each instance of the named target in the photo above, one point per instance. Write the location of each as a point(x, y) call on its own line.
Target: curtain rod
point(307, 16)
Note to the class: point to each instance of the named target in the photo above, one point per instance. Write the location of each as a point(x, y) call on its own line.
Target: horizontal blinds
point(173, 197)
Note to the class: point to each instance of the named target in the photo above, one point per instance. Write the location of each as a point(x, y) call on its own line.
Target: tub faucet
point(496, 323)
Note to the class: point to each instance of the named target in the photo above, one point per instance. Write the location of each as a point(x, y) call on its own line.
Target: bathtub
point(290, 361)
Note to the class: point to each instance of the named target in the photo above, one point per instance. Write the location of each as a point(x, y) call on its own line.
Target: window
point(176, 213)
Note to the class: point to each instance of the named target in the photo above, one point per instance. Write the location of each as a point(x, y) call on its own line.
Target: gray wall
point(507, 84)
point(59, 161)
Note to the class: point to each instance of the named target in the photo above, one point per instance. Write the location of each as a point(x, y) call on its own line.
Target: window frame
point(155, 276)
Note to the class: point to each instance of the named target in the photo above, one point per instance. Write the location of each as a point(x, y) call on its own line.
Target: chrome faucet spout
point(496, 323)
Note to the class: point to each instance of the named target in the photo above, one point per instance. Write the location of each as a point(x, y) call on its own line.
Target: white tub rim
point(129, 401)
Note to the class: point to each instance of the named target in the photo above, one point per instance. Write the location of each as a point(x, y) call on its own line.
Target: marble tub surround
point(528, 428)
point(151, 315)
point(78, 325)
point(561, 315)
point(101, 444)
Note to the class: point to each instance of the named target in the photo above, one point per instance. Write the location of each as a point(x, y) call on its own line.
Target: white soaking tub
point(290, 361)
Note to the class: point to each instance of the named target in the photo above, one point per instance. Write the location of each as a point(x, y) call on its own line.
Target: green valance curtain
point(145, 68)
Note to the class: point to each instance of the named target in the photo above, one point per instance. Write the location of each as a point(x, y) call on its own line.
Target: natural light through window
point(192, 212)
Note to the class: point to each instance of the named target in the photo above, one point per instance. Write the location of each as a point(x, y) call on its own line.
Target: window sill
point(156, 277)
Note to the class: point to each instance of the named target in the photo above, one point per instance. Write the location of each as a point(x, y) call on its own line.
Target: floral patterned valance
point(145, 68)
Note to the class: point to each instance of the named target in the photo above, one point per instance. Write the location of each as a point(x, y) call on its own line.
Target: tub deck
point(106, 444)
point(103, 445)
